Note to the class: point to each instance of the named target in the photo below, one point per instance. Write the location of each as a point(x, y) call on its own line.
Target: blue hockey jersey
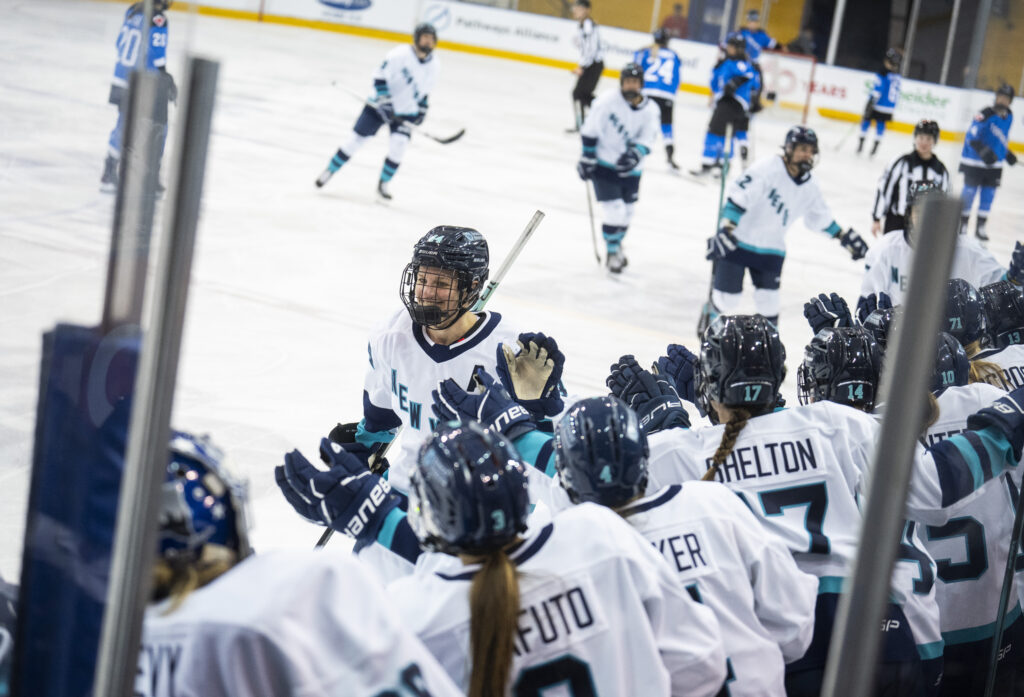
point(885, 92)
point(989, 131)
point(661, 68)
point(757, 41)
point(738, 73)
point(129, 44)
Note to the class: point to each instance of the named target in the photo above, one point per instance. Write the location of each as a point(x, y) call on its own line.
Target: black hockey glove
point(869, 109)
point(680, 364)
point(854, 244)
point(827, 311)
point(1011, 159)
point(1015, 273)
point(346, 498)
point(493, 407)
point(1006, 414)
point(533, 373)
point(866, 304)
point(987, 155)
point(721, 244)
point(629, 160)
point(652, 397)
point(586, 167)
point(345, 436)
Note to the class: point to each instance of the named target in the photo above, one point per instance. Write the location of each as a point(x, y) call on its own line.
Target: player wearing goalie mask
point(402, 87)
point(619, 131)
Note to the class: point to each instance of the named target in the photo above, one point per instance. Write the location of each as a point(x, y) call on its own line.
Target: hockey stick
point(705, 313)
point(443, 140)
point(376, 460)
point(590, 198)
point(846, 136)
point(1004, 596)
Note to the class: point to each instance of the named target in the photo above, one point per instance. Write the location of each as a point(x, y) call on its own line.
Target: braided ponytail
point(737, 420)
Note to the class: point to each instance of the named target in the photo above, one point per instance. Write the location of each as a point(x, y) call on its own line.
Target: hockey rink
point(289, 280)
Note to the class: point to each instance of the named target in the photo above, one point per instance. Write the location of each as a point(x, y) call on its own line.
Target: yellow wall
point(784, 17)
point(1002, 57)
point(628, 14)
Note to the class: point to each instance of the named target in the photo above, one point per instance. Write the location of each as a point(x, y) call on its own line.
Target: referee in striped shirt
point(591, 61)
point(920, 165)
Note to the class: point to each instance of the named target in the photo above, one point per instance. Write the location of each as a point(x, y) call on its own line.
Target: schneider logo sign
point(347, 4)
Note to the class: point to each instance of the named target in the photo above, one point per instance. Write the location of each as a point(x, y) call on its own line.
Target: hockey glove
point(854, 244)
point(346, 498)
point(385, 107)
point(421, 114)
point(493, 407)
point(987, 155)
point(1011, 159)
point(869, 109)
point(680, 364)
point(729, 89)
point(629, 160)
point(827, 311)
point(345, 436)
point(532, 374)
point(1015, 273)
point(167, 81)
point(721, 244)
point(866, 304)
point(586, 167)
point(1005, 414)
point(652, 397)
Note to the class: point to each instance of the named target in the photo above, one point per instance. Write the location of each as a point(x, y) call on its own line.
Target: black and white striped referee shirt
point(891, 197)
point(591, 50)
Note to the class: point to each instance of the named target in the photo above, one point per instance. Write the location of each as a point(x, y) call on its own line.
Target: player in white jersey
point(402, 86)
point(526, 613)
point(887, 266)
point(1004, 315)
point(227, 624)
point(618, 133)
point(760, 206)
point(802, 469)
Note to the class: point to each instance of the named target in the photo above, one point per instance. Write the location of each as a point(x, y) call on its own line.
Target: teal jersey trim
point(391, 523)
point(833, 229)
point(830, 584)
point(529, 446)
point(930, 651)
point(732, 212)
point(999, 450)
point(761, 250)
point(369, 438)
point(985, 631)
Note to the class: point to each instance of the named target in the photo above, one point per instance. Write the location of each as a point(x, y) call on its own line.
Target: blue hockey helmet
point(200, 502)
point(742, 363)
point(965, 314)
point(451, 261)
point(1004, 313)
point(880, 323)
point(952, 367)
point(468, 492)
point(841, 365)
point(601, 453)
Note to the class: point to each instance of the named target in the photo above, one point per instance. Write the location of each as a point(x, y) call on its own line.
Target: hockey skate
point(860, 145)
point(383, 188)
point(979, 231)
point(108, 182)
point(324, 177)
point(616, 261)
point(670, 153)
point(874, 147)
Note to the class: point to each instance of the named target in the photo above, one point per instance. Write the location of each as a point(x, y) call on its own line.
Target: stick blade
point(450, 139)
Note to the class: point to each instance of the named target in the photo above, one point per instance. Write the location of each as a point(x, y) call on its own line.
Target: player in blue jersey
point(661, 66)
point(986, 146)
point(129, 49)
point(757, 40)
point(885, 93)
point(732, 82)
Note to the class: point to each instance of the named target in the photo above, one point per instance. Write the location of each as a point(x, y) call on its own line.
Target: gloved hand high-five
point(493, 407)
point(652, 397)
point(532, 374)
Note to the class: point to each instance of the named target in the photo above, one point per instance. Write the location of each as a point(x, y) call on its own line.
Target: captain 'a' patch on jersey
point(409, 79)
point(405, 366)
point(769, 201)
point(617, 125)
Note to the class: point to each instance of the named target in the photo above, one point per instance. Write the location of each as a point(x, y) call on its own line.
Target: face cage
point(806, 385)
point(432, 316)
point(807, 165)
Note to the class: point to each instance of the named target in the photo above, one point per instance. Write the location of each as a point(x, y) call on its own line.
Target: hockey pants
point(765, 273)
point(367, 125)
point(617, 196)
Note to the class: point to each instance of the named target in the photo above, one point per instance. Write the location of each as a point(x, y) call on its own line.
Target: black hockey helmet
point(738, 42)
point(161, 5)
point(880, 323)
point(928, 128)
point(451, 260)
point(1006, 90)
point(753, 16)
point(841, 365)
point(965, 314)
point(631, 70)
point(661, 36)
point(742, 363)
point(1004, 313)
point(801, 135)
point(894, 57)
point(424, 29)
point(952, 367)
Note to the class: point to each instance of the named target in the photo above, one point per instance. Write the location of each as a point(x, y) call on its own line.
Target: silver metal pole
point(146, 456)
point(977, 43)
point(726, 20)
point(947, 57)
point(850, 670)
point(908, 49)
point(837, 27)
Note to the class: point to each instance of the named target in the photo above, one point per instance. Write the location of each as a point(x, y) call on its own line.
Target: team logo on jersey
point(347, 4)
point(159, 20)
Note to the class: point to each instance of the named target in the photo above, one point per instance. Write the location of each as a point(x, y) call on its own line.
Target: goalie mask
point(445, 277)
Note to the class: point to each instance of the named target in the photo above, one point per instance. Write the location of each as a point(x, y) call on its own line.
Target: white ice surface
point(289, 280)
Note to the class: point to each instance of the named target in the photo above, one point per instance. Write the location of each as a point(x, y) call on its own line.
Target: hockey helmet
point(601, 453)
point(965, 314)
point(801, 135)
point(424, 29)
point(952, 367)
point(661, 37)
point(894, 58)
point(468, 492)
point(1004, 313)
point(742, 364)
point(841, 365)
point(738, 42)
point(448, 261)
point(1006, 90)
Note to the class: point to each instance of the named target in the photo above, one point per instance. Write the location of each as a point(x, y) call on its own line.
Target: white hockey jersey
point(286, 623)
point(726, 560)
point(617, 125)
point(1010, 360)
point(971, 549)
point(768, 200)
point(598, 604)
point(409, 79)
point(887, 265)
point(406, 366)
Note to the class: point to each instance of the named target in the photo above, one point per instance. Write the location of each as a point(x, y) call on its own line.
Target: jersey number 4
point(815, 497)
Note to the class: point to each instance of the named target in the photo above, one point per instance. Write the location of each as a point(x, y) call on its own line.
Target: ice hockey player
point(129, 50)
point(885, 94)
point(733, 80)
point(986, 147)
point(402, 86)
point(887, 267)
point(1004, 314)
point(225, 623)
point(588, 72)
point(921, 164)
point(661, 66)
point(757, 40)
point(619, 132)
point(760, 206)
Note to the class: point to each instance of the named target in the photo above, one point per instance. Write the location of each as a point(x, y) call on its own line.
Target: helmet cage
point(464, 284)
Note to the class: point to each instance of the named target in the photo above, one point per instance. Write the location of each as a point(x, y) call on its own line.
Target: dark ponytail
point(493, 611)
